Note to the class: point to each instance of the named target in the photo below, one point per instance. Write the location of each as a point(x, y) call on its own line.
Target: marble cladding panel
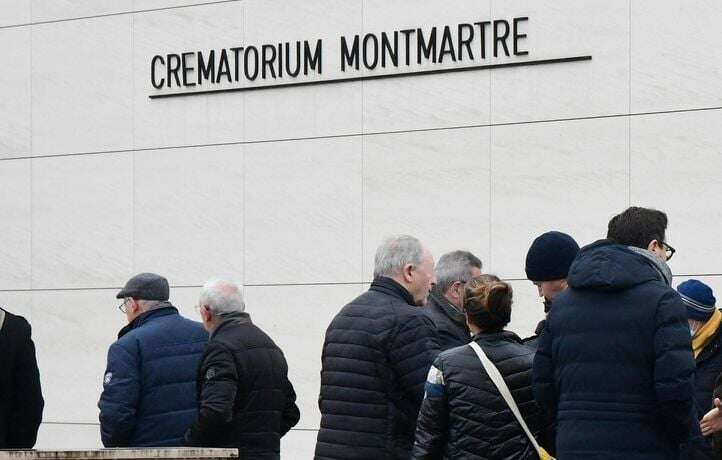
point(82, 221)
point(303, 205)
point(15, 224)
point(188, 213)
point(72, 330)
point(433, 185)
point(675, 167)
point(190, 120)
point(82, 86)
point(312, 111)
point(429, 101)
point(44, 10)
point(674, 55)
point(560, 29)
point(14, 12)
point(567, 176)
point(18, 303)
point(15, 116)
point(68, 436)
point(527, 309)
point(298, 444)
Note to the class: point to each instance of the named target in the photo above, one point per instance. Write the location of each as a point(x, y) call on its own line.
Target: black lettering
point(349, 58)
point(237, 56)
point(251, 76)
point(518, 36)
point(173, 68)
point(223, 67)
point(160, 84)
point(293, 73)
point(482, 35)
point(447, 45)
point(280, 61)
point(386, 47)
point(501, 37)
point(465, 42)
point(428, 49)
point(312, 61)
point(268, 60)
point(187, 68)
point(375, 49)
point(207, 69)
point(407, 33)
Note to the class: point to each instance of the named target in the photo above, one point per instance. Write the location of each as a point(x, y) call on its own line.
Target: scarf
point(702, 337)
point(659, 265)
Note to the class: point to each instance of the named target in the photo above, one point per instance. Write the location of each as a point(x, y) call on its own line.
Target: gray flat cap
point(145, 286)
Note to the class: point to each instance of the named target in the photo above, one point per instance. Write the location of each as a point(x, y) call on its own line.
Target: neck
point(474, 329)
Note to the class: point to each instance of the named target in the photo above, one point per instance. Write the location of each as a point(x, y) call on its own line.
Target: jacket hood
point(608, 266)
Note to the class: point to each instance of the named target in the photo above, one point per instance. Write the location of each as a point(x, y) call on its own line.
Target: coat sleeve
point(27, 405)
point(219, 386)
point(413, 349)
point(291, 414)
point(543, 381)
point(121, 395)
point(674, 369)
point(433, 423)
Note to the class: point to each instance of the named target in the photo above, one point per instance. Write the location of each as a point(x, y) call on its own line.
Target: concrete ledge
point(174, 453)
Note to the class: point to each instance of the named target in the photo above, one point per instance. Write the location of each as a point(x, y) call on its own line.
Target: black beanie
point(550, 256)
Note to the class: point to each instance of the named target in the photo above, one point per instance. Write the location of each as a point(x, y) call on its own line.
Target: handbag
point(500, 384)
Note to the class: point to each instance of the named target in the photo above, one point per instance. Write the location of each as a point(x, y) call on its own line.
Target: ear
point(408, 273)
point(652, 245)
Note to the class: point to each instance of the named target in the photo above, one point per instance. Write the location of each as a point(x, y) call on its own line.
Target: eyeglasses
point(669, 250)
point(123, 307)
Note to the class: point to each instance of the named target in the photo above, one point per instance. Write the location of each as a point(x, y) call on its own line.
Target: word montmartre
point(466, 41)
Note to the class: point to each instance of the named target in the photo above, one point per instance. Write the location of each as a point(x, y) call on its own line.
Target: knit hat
point(550, 256)
point(698, 298)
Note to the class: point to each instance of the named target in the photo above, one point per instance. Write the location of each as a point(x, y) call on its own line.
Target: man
point(704, 324)
point(444, 306)
point(246, 400)
point(547, 265)
point(148, 391)
point(21, 399)
point(376, 355)
point(614, 363)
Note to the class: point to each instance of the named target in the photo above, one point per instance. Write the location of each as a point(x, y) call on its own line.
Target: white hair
point(395, 252)
point(222, 297)
point(148, 305)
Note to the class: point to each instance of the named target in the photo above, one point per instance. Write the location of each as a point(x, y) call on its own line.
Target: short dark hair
point(637, 227)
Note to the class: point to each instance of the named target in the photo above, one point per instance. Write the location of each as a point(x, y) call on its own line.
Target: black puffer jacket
point(463, 414)
point(450, 323)
point(21, 401)
point(376, 355)
point(246, 400)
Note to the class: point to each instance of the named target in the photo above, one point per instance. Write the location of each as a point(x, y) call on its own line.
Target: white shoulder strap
point(500, 384)
point(2, 318)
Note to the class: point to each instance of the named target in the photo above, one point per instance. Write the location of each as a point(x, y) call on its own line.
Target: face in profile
point(423, 278)
point(550, 289)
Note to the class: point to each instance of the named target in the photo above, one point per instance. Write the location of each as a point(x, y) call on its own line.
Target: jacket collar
point(392, 288)
point(165, 310)
point(540, 327)
point(496, 337)
point(661, 266)
point(240, 317)
point(712, 347)
point(447, 308)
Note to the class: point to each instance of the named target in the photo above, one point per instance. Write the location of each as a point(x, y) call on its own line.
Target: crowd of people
point(422, 365)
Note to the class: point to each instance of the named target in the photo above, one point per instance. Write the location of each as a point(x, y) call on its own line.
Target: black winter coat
point(463, 414)
point(21, 400)
point(450, 323)
point(376, 355)
point(708, 368)
point(615, 363)
point(246, 400)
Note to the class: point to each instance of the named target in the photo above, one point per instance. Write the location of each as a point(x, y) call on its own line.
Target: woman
point(463, 415)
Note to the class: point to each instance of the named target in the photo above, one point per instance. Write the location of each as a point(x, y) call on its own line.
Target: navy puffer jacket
point(149, 390)
point(376, 355)
point(615, 363)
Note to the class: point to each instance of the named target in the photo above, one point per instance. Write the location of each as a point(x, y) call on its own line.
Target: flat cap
point(145, 286)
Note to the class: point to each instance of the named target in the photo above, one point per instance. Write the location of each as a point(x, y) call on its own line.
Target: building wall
point(290, 190)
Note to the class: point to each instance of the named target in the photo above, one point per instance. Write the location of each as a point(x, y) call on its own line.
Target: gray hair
point(148, 305)
point(455, 266)
point(222, 297)
point(395, 252)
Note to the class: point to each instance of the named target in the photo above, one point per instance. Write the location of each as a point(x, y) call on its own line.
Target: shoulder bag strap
point(2, 318)
point(500, 384)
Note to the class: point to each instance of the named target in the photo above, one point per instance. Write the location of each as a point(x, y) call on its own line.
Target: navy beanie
point(550, 256)
point(698, 298)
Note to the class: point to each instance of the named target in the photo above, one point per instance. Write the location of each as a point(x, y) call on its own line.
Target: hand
point(712, 420)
